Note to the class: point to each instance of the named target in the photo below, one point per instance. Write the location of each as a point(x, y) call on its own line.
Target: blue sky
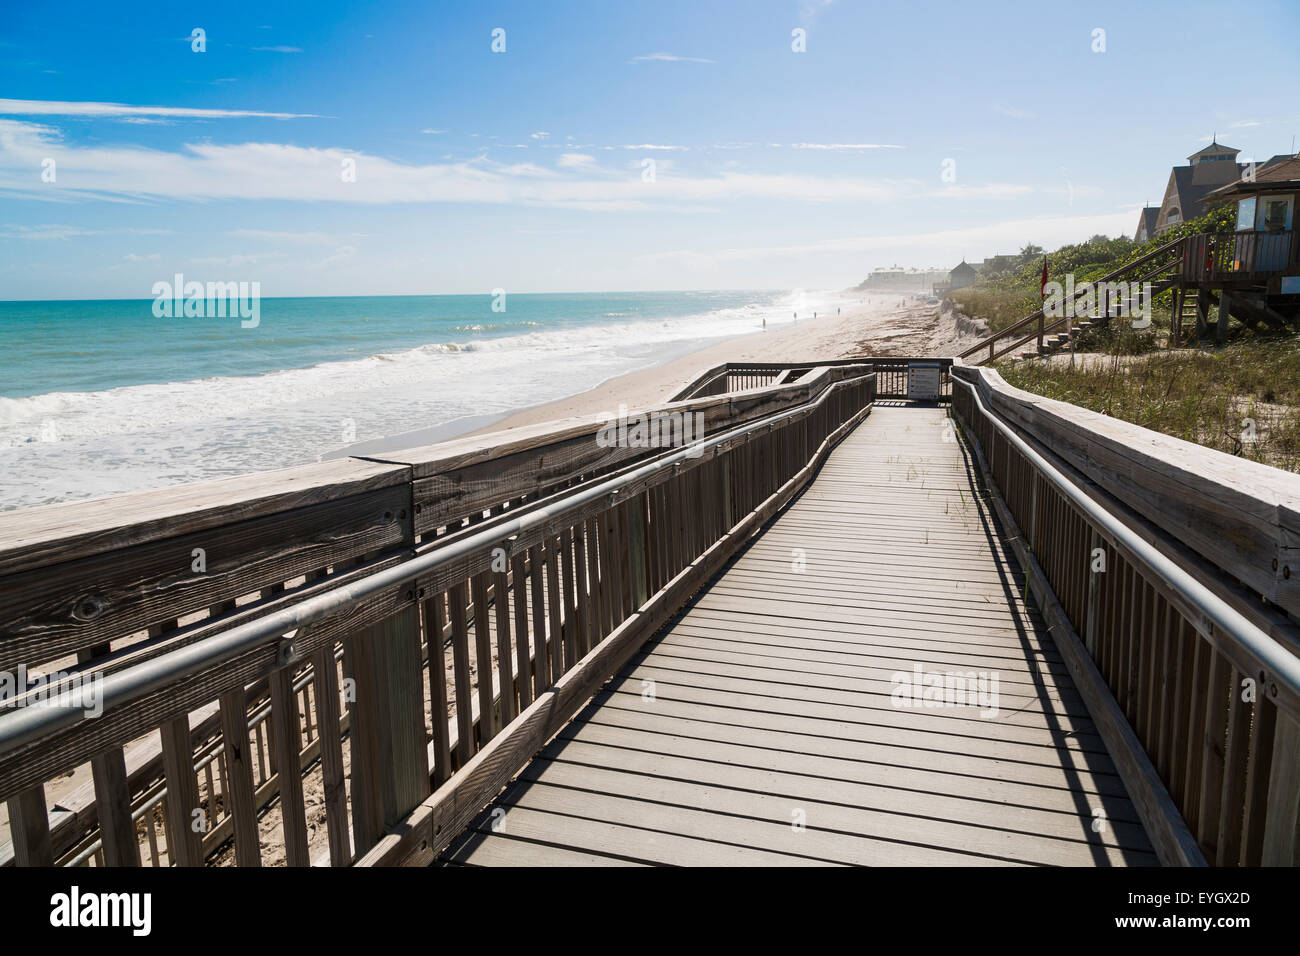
point(526, 169)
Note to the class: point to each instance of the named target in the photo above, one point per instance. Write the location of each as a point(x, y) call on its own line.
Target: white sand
point(888, 324)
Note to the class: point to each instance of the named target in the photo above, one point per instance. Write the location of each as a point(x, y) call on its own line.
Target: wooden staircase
point(1044, 334)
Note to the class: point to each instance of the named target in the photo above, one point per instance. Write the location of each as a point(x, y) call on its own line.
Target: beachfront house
point(962, 275)
point(1187, 194)
point(1264, 241)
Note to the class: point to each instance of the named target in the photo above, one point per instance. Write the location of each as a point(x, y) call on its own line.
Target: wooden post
point(1221, 330)
point(333, 777)
point(184, 842)
point(1282, 815)
point(112, 793)
point(390, 763)
point(113, 802)
point(637, 549)
point(240, 801)
point(286, 731)
point(29, 825)
point(1176, 317)
point(1092, 601)
point(1033, 513)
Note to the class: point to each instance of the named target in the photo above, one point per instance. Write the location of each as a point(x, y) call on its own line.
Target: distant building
point(905, 279)
point(961, 276)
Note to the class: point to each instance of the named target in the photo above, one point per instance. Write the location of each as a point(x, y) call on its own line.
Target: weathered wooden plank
point(49, 611)
point(483, 666)
point(239, 795)
point(434, 615)
point(333, 776)
point(184, 825)
point(287, 734)
point(29, 827)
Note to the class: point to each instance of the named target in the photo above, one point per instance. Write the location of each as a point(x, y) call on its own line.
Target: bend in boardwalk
point(761, 726)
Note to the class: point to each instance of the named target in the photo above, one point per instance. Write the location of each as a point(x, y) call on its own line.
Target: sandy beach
point(883, 323)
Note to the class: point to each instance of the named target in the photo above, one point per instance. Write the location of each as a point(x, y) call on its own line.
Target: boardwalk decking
point(759, 728)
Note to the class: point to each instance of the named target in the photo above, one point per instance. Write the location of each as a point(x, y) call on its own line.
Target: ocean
point(102, 397)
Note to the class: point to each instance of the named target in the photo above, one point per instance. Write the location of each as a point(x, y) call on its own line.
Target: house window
point(1246, 214)
point(1174, 215)
point(1277, 214)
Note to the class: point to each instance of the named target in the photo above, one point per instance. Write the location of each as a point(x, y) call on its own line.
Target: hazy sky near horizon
point(331, 148)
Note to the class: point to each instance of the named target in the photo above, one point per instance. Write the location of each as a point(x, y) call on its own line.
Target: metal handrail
point(23, 725)
point(1282, 666)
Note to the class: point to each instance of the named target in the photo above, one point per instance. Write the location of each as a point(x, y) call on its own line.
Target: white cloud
point(575, 160)
point(540, 134)
point(64, 108)
point(433, 132)
point(667, 58)
point(207, 171)
point(278, 49)
point(649, 146)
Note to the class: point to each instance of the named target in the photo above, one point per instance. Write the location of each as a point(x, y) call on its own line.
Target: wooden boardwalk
point(759, 728)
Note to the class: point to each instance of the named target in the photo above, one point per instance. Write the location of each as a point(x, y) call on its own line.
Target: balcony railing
point(1238, 255)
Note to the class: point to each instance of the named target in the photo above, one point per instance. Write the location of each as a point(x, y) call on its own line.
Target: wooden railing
point(403, 626)
point(1238, 256)
point(739, 376)
point(892, 376)
point(1192, 682)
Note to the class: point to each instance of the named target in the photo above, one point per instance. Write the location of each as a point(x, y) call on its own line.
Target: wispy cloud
point(1013, 112)
point(305, 238)
point(60, 232)
point(1243, 124)
point(67, 108)
point(432, 132)
point(207, 171)
point(278, 49)
point(942, 244)
point(668, 58)
point(844, 146)
point(540, 134)
point(808, 9)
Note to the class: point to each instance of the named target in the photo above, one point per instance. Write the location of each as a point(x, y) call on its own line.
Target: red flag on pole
point(1042, 285)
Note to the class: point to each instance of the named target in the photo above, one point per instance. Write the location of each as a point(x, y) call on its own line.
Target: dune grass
point(1243, 399)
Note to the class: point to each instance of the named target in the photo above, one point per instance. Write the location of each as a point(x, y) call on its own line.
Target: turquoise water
point(90, 346)
point(100, 397)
